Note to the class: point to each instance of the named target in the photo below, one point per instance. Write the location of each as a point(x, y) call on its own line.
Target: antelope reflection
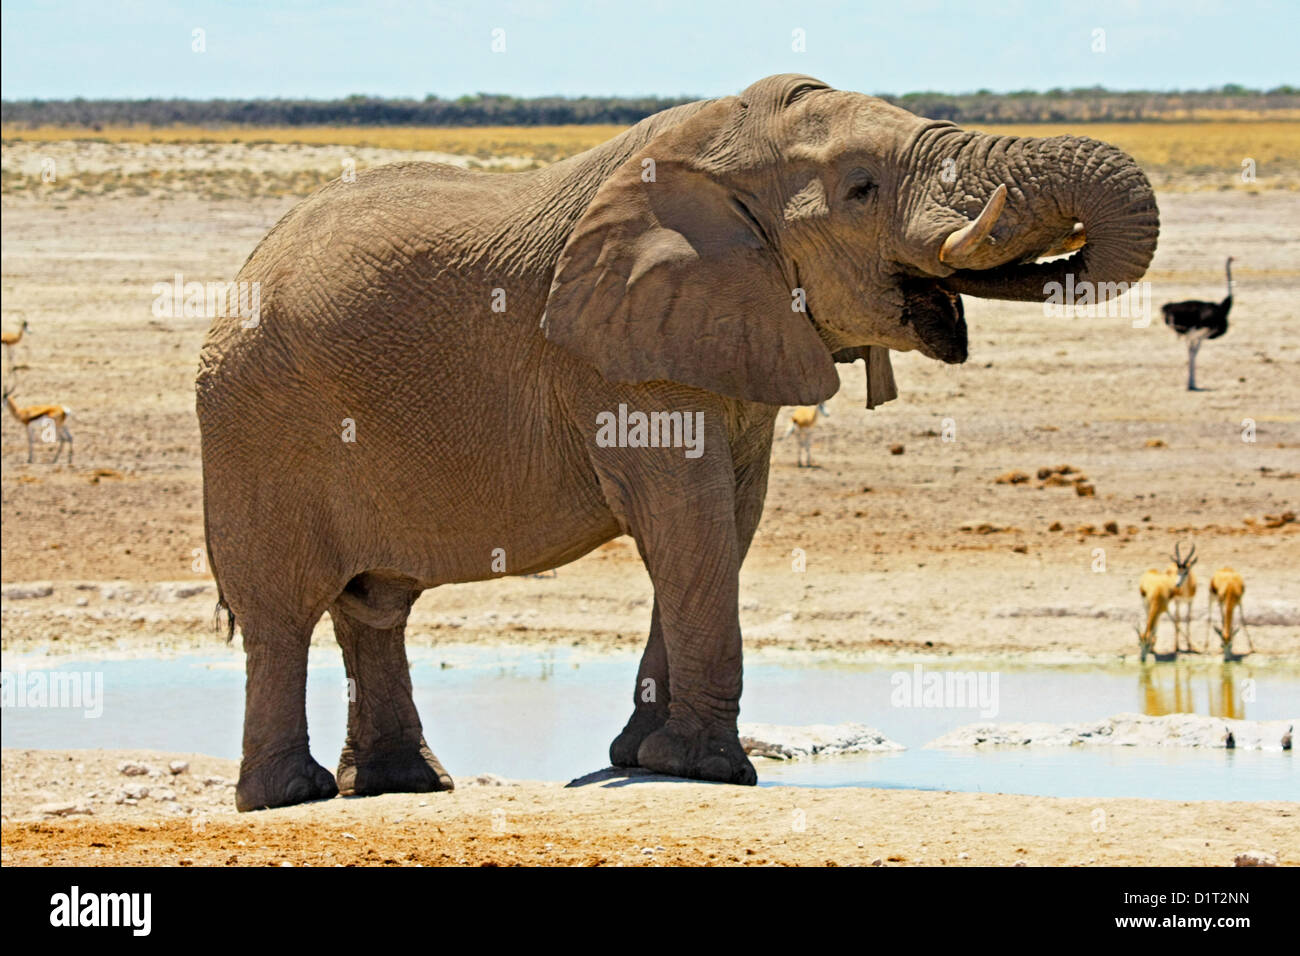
point(1171, 691)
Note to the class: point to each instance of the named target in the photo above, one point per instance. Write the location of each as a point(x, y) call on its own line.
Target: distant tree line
point(1094, 104)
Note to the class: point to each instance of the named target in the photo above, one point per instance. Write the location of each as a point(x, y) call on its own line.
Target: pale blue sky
point(138, 48)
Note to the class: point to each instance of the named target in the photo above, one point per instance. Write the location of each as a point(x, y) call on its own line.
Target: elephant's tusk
point(960, 244)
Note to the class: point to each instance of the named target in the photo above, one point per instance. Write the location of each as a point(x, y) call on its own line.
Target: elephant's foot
point(409, 769)
point(707, 755)
point(282, 782)
point(643, 723)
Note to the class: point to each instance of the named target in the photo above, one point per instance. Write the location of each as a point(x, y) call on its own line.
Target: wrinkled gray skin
point(476, 429)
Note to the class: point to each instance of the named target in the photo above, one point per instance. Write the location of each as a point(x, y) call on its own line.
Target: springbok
point(10, 339)
point(1183, 594)
point(803, 418)
point(43, 416)
point(1226, 590)
point(1157, 589)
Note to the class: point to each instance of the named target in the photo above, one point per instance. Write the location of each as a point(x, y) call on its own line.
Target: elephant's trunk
point(1065, 193)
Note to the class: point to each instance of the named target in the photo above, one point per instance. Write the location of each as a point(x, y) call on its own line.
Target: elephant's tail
point(222, 610)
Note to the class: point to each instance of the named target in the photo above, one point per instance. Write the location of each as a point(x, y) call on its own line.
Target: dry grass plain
point(1188, 155)
point(920, 555)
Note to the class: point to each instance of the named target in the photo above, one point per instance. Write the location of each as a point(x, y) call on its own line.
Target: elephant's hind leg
point(385, 750)
point(277, 769)
point(649, 700)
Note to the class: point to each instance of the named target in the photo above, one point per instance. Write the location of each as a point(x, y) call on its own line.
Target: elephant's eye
point(860, 187)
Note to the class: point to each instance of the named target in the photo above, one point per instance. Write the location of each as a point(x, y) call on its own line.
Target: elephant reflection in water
point(1221, 696)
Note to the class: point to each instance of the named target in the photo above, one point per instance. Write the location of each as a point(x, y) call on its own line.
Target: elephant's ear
point(669, 276)
point(880, 373)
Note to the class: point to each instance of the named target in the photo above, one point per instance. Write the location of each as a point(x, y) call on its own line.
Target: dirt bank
point(640, 821)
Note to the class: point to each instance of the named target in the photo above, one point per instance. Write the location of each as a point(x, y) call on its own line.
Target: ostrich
point(1196, 321)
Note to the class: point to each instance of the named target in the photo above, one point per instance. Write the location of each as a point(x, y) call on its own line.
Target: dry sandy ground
point(615, 820)
point(920, 554)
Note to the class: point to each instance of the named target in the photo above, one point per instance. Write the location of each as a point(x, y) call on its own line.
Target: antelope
point(1184, 591)
point(10, 339)
point(803, 418)
point(1157, 589)
point(43, 416)
point(1226, 590)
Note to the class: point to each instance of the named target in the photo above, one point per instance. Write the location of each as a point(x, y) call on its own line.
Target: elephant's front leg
point(652, 695)
point(385, 750)
point(682, 514)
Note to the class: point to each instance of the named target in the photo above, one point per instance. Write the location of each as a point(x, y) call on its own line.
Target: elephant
point(455, 376)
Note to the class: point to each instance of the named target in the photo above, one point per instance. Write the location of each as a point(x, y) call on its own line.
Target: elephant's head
point(743, 248)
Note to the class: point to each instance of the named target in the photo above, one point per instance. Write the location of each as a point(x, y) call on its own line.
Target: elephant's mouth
point(937, 317)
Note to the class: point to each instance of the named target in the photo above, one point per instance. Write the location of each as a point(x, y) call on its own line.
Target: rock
point(823, 740)
point(1112, 527)
point(896, 449)
point(1255, 858)
point(977, 526)
point(487, 780)
point(877, 862)
point(215, 782)
point(1012, 478)
point(1125, 730)
point(1055, 526)
point(1155, 443)
point(1085, 490)
point(178, 766)
point(963, 856)
point(130, 768)
point(61, 809)
point(179, 590)
point(163, 794)
point(120, 591)
point(27, 591)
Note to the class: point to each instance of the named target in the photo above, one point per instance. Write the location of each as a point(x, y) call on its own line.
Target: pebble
point(1255, 858)
point(129, 768)
point(60, 809)
point(178, 766)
